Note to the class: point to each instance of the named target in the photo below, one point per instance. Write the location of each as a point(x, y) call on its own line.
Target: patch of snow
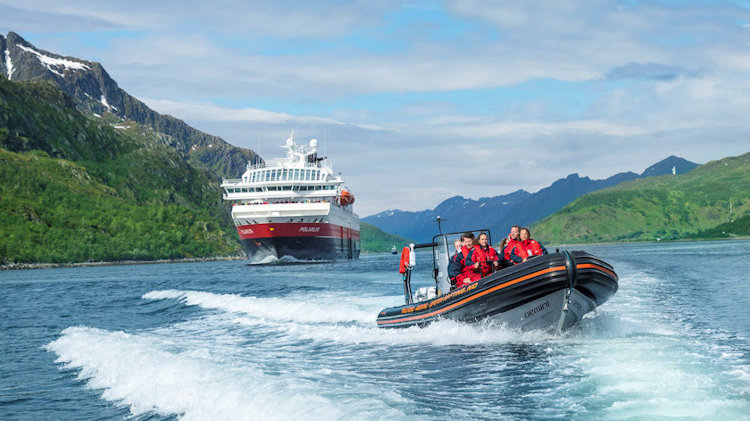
point(483, 203)
point(104, 102)
point(210, 145)
point(9, 64)
point(51, 62)
point(97, 115)
point(118, 126)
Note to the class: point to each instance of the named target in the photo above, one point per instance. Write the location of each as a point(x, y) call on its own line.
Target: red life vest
point(508, 248)
point(404, 260)
point(485, 259)
point(528, 248)
point(467, 275)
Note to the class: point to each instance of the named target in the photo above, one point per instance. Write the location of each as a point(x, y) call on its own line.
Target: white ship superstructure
point(294, 208)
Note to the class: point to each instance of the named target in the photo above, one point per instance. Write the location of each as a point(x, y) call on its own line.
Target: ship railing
point(256, 166)
point(231, 181)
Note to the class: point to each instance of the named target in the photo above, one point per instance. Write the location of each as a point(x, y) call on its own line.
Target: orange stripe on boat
point(593, 266)
point(477, 295)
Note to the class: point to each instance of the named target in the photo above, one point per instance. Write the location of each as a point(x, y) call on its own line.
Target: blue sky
point(478, 98)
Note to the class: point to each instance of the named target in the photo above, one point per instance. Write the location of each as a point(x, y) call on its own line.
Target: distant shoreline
point(25, 266)
point(679, 240)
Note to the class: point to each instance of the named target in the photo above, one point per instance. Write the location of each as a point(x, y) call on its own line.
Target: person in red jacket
point(511, 244)
point(526, 248)
point(467, 274)
point(483, 257)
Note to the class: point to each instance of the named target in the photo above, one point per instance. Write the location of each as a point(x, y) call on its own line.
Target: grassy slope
point(75, 189)
point(375, 240)
point(668, 207)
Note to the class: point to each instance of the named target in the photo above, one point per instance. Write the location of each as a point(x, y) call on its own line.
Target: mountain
point(712, 197)
point(95, 93)
point(74, 189)
point(456, 213)
point(671, 165)
point(499, 213)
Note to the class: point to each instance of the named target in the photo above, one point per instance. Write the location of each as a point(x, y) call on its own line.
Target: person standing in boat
point(526, 248)
point(483, 257)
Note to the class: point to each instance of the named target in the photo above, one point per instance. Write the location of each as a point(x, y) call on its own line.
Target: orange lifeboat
point(346, 198)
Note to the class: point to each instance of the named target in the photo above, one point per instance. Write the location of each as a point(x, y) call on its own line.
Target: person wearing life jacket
point(511, 244)
point(504, 263)
point(454, 263)
point(483, 257)
point(467, 273)
point(526, 248)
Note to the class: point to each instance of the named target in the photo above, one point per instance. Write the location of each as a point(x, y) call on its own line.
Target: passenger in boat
point(466, 273)
point(511, 243)
point(504, 263)
point(454, 264)
point(526, 248)
point(483, 257)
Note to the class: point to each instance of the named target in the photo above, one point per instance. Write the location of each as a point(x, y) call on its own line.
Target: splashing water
point(226, 341)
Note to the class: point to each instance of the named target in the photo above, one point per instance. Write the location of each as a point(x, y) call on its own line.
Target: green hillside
point(375, 240)
point(735, 228)
point(76, 189)
point(666, 207)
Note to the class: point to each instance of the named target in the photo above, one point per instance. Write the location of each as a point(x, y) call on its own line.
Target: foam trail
point(148, 377)
point(303, 309)
point(441, 333)
point(273, 260)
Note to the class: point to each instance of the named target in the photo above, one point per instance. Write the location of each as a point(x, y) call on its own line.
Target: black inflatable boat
point(548, 292)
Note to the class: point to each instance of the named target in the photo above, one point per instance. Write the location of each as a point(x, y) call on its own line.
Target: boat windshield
point(441, 253)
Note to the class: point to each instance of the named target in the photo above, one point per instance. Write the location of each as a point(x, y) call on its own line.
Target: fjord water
point(223, 340)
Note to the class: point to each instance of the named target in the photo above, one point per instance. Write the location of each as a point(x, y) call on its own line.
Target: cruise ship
point(294, 209)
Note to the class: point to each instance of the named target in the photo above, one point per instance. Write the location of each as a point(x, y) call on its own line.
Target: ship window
point(284, 174)
point(307, 174)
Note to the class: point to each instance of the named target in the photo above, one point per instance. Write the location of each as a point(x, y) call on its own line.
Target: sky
point(418, 101)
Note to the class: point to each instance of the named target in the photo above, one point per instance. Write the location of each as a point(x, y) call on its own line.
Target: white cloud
point(463, 111)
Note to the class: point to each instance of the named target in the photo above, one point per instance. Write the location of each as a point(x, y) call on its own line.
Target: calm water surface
point(221, 340)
